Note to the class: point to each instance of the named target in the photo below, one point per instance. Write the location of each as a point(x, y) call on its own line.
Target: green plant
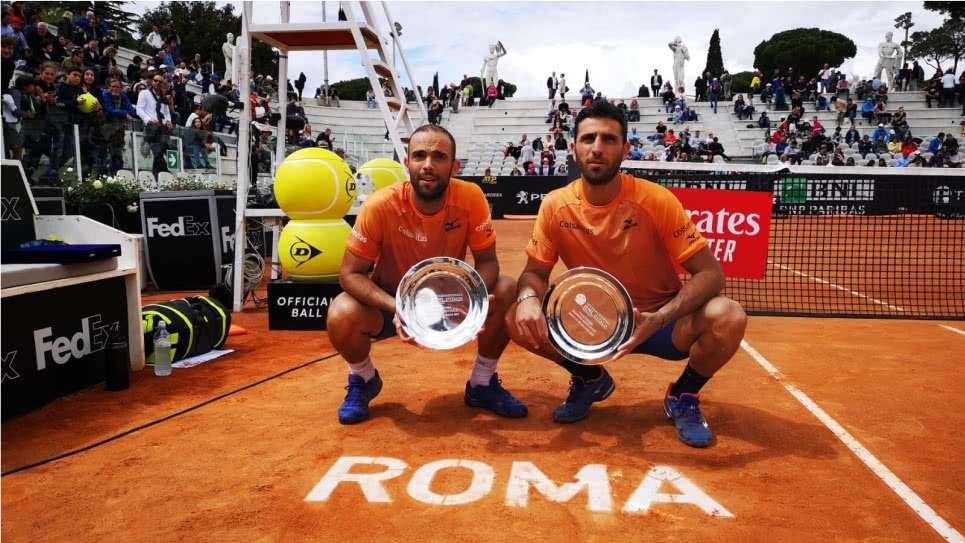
point(110, 190)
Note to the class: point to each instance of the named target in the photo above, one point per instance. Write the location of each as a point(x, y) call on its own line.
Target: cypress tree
point(715, 61)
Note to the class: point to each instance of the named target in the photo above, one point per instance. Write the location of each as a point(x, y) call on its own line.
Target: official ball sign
point(300, 306)
point(736, 225)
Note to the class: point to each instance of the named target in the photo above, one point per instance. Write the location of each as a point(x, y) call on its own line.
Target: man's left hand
point(644, 326)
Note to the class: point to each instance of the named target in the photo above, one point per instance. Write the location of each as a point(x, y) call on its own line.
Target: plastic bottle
point(162, 351)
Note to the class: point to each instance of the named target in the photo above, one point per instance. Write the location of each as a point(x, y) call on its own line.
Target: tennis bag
point(195, 325)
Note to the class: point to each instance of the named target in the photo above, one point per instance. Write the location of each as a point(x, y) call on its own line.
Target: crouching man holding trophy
point(620, 238)
point(416, 234)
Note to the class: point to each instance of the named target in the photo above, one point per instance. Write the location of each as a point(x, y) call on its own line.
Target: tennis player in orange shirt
point(397, 227)
point(636, 230)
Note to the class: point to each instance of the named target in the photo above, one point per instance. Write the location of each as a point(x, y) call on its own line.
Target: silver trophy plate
point(442, 302)
point(589, 314)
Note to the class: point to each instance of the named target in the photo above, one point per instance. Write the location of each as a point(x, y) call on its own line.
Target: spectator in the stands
point(154, 111)
point(865, 146)
point(936, 143)
point(634, 153)
point(764, 121)
point(852, 136)
point(842, 89)
point(868, 110)
point(435, 111)
point(716, 148)
point(933, 93)
point(560, 143)
point(634, 115)
point(880, 135)
point(948, 89)
point(633, 136)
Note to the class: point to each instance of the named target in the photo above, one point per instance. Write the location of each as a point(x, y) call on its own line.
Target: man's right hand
point(402, 332)
point(531, 323)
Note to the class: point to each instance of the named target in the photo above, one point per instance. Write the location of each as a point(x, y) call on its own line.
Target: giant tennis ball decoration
point(311, 250)
point(314, 184)
point(383, 172)
point(86, 102)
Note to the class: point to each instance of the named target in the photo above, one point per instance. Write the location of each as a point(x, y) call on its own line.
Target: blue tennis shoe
point(355, 406)
point(684, 411)
point(582, 395)
point(495, 398)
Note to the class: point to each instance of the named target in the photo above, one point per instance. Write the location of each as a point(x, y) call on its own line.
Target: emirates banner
point(736, 225)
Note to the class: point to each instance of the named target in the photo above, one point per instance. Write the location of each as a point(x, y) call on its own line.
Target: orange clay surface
point(240, 468)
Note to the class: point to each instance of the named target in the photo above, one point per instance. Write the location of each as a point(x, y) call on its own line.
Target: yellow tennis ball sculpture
point(383, 172)
point(314, 184)
point(86, 102)
point(311, 250)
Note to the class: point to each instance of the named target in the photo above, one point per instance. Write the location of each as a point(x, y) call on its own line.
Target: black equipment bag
point(196, 325)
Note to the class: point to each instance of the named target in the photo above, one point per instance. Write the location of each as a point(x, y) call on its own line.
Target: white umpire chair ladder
point(361, 35)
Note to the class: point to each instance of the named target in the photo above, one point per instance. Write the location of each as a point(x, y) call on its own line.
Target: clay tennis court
point(827, 429)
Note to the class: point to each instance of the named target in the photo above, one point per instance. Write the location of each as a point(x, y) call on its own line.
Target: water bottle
point(162, 351)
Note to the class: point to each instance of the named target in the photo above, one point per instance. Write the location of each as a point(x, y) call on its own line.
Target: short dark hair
point(439, 130)
point(602, 109)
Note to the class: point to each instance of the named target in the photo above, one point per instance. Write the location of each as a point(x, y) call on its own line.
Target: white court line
point(940, 525)
point(839, 287)
point(953, 329)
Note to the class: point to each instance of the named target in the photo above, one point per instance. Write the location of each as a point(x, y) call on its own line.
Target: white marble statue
point(229, 51)
point(489, 76)
point(889, 60)
point(680, 54)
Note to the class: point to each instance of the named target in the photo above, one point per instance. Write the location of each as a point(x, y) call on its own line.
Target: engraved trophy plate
point(442, 302)
point(589, 314)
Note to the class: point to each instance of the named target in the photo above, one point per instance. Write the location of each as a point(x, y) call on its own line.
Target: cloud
point(621, 43)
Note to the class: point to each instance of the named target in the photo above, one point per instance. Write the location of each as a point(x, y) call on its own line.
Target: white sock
point(363, 369)
point(482, 371)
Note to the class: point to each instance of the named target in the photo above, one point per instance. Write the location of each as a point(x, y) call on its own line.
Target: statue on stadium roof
point(680, 54)
point(489, 75)
point(228, 50)
point(889, 59)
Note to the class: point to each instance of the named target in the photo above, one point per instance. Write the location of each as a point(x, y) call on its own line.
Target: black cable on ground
point(162, 419)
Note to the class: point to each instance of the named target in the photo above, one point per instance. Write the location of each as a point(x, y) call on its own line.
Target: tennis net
point(851, 245)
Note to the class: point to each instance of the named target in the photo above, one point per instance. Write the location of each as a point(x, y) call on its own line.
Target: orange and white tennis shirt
point(637, 237)
point(391, 232)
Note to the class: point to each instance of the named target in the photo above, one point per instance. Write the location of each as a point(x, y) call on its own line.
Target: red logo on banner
point(736, 225)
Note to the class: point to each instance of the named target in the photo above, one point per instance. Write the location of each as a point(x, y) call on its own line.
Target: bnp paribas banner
point(831, 193)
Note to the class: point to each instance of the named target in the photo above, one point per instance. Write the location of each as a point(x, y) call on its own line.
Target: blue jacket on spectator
point(880, 133)
point(117, 113)
point(934, 145)
point(101, 29)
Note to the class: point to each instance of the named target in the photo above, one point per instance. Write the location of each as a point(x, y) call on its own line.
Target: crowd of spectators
point(48, 70)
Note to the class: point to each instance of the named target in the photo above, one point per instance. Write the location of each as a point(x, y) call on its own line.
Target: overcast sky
point(621, 43)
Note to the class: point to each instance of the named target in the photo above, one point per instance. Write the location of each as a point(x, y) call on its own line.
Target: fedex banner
point(736, 225)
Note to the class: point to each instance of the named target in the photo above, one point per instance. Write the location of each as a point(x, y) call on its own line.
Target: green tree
point(944, 42)
point(715, 61)
point(194, 21)
point(741, 82)
point(114, 13)
point(954, 10)
point(806, 50)
point(930, 47)
point(352, 89)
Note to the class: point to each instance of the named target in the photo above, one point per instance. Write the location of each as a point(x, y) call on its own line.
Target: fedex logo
point(91, 338)
point(186, 225)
